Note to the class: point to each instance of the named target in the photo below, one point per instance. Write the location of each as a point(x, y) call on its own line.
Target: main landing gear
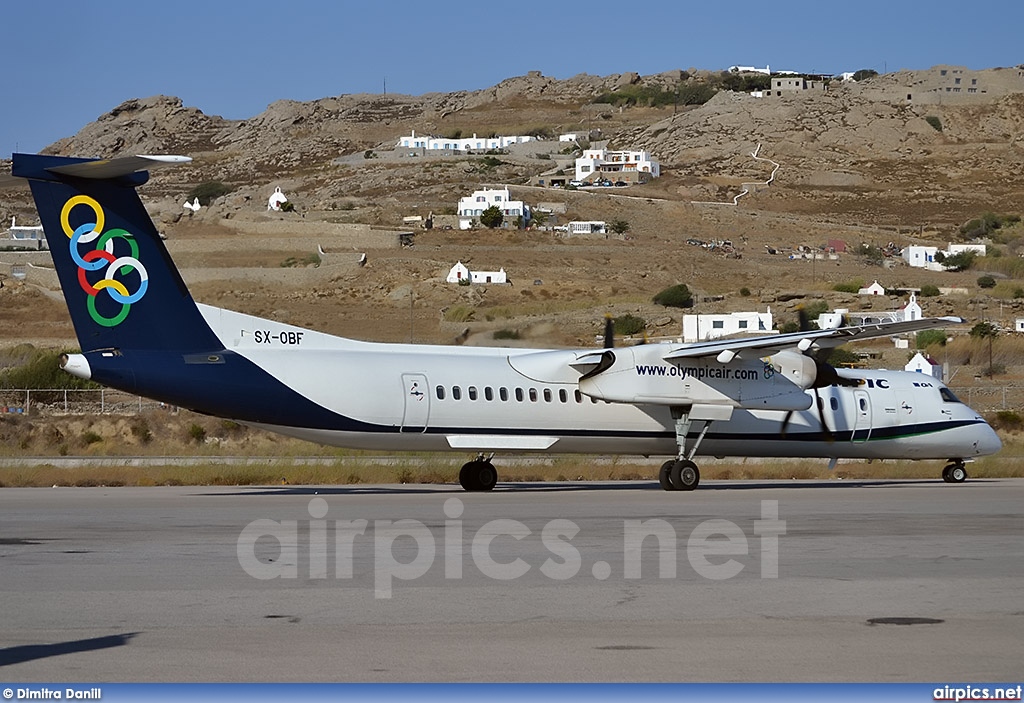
point(954, 471)
point(681, 474)
point(479, 474)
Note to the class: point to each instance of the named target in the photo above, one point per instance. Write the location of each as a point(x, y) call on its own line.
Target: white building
point(698, 328)
point(922, 257)
point(26, 236)
point(473, 143)
point(766, 71)
point(1018, 324)
point(276, 200)
point(875, 288)
point(587, 227)
point(472, 206)
point(460, 272)
point(571, 137)
point(632, 166)
point(841, 316)
point(926, 365)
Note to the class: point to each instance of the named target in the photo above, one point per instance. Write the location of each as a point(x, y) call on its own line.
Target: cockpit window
point(948, 396)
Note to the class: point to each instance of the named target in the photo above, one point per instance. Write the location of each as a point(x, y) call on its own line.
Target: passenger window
point(519, 395)
point(488, 393)
point(563, 397)
point(578, 396)
point(834, 402)
point(472, 392)
point(547, 395)
point(440, 392)
point(456, 393)
point(533, 395)
point(863, 405)
point(503, 394)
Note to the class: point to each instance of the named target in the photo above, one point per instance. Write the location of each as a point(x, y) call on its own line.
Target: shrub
point(935, 122)
point(629, 324)
point(492, 217)
point(745, 292)
point(677, 296)
point(986, 282)
point(197, 433)
point(208, 191)
point(507, 334)
point(90, 437)
point(1008, 420)
point(41, 369)
point(926, 338)
point(849, 286)
point(619, 226)
point(140, 430)
point(959, 262)
point(983, 330)
point(929, 291)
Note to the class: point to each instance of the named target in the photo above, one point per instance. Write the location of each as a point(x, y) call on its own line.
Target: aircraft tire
point(478, 475)
point(957, 473)
point(685, 475)
point(665, 476)
point(945, 473)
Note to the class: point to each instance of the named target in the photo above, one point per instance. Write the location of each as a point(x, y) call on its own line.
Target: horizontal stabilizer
point(121, 166)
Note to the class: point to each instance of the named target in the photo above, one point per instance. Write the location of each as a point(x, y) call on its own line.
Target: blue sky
point(68, 62)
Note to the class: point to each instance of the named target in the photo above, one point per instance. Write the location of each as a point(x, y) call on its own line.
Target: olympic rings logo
point(102, 256)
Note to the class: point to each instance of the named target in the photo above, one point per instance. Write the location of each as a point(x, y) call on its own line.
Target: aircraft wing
point(766, 345)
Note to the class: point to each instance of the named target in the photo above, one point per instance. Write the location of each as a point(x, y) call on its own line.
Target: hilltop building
point(629, 166)
point(472, 206)
point(473, 143)
point(460, 272)
point(699, 328)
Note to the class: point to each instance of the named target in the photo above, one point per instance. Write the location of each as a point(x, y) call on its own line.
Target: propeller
point(825, 375)
point(609, 331)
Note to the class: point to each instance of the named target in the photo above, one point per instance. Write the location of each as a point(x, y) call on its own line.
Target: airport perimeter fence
point(106, 401)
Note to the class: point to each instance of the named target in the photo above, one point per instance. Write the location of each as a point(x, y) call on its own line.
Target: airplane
point(771, 395)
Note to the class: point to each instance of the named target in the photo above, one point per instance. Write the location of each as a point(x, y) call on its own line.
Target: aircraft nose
point(989, 443)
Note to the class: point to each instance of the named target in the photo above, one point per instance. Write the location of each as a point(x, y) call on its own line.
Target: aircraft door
point(862, 415)
point(417, 402)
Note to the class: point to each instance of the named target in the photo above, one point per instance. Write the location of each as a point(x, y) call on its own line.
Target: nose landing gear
point(954, 471)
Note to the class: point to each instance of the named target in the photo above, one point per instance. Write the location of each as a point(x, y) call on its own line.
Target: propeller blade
point(829, 437)
point(785, 423)
point(609, 332)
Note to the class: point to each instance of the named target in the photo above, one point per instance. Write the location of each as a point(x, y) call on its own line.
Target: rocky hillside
point(892, 158)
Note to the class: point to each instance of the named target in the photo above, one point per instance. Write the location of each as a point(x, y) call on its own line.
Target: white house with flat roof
point(472, 206)
point(632, 166)
point(699, 328)
point(473, 143)
point(460, 272)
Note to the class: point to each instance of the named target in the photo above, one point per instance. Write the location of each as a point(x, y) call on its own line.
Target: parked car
point(620, 184)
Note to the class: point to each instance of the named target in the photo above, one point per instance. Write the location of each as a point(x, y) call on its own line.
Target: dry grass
point(443, 469)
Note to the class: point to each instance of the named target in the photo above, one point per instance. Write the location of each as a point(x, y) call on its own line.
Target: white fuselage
point(434, 398)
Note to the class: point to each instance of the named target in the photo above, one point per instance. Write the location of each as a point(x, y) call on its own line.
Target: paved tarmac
point(737, 581)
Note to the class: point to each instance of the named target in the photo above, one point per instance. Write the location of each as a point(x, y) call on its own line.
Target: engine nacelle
point(797, 368)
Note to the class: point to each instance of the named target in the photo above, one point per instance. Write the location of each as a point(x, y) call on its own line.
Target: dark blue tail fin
point(122, 289)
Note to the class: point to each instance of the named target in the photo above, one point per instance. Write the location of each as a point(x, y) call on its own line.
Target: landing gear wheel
point(664, 476)
point(478, 475)
point(684, 475)
point(957, 473)
point(945, 472)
